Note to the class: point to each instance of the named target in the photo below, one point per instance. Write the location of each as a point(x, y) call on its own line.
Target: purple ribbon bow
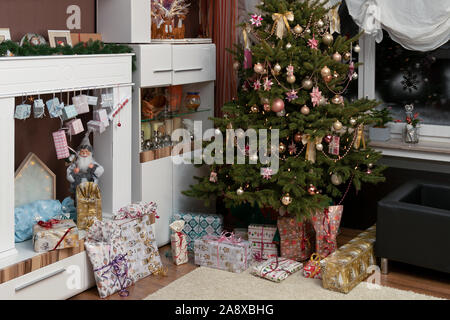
point(120, 277)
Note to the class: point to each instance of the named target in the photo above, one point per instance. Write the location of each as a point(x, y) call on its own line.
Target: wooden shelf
point(175, 115)
point(151, 155)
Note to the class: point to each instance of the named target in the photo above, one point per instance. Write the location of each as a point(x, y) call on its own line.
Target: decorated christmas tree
point(294, 78)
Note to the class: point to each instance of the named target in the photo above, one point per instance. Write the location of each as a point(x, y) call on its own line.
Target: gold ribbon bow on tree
point(335, 20)
point(281, 23)
point(311, 146)
point(360, 137)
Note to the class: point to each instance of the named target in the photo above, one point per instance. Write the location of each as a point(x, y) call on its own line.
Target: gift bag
point(89, 204)
point(179, 243)
point(297, 238)
point(81, 103)
point(61, 146)
point(109, 258)
point(313, 268)
point(276, 269)
point(326, 224)
point(54, 234)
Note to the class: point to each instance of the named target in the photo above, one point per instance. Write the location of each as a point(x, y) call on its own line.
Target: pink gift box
point(75, 127)
point(81, 104)
point(334, 146)
point(60, 140)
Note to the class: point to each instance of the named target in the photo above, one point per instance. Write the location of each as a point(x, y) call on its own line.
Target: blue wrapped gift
point(54, 107)
point(38, 108)
point(23, 111)
point(198, 225)
point(69, 112)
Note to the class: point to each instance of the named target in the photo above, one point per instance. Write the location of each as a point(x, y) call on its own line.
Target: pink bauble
point(277, 105)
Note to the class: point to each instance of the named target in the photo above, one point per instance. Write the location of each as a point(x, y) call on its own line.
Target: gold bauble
point(298, 137)
point(277, 68)
point(259, 68)
point(291, 79)
point(282, 148)
point(353, 121)
point(337, 99)
point(307, 84)
point(327, 39)
point(337, 57)
point(298, 29)
point(305, 110)
point(286, 200)
point(337, 125)
point(325, 71)
point(347, 56)
point(254, 109)
point(328, 78)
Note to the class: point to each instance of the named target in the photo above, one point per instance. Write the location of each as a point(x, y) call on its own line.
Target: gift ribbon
point(275, 268)
point(114, 266)
point(49, 225)
point(315, 261)
point(281, 23)
point(181, 236)
point(360, 137)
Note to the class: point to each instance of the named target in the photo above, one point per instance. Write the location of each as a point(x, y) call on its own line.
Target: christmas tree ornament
point(370, 165)
point(291, 95)
point(320, 23)
point(298, 137)
point(282, 148)
point(336, 179)
point(286, 199)
point(327, 39)
point(369, 171)
point(290, 79)
point(258, 68)
point(298, 29)
point(312, 190)
point(357, 48)
point(307, 84)
point(327, 79)
point(236, 65)
point(288, 46)
point(335, 75)
point(240, 191)
point(277, 105)
point(337, 99)
point(333, 147)
point(266, 107)
point(347, 56)
point(256, 20)
point(352, 121)
point(267, 173)
point(313, 43)
point(337, 57)
point(292, 148)
point(305, 110)
point(282, 113)
point(360, 139)
point(319, 147)
point(325, 71)
point(265, 100)
point(337, 125)
point(323, 101)
point(254, 109)
point(213, 177)
point(308, 30)
point(355, 76)
point(281, 23)
point(316, 95)
point(327, 138)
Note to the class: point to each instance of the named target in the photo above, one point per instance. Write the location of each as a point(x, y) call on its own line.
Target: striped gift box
point(60, 140)
point(334, 145)
point(75, 126)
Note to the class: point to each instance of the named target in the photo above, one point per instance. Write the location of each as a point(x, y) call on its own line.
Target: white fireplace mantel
point(20, 76)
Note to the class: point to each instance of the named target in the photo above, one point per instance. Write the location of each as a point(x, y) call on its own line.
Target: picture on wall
point(59, 38)
point(4, 34)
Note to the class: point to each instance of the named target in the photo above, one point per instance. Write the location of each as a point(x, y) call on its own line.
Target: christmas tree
point(293, 79)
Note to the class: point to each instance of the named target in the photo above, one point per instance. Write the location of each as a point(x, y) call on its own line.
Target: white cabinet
point(154, 65)
point(193, 63)
point(124, 21)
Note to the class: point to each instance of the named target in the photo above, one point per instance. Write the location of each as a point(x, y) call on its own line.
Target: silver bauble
point(307, 84)
point(277, 67)
point(357, 48)
point(336, 179)
point(291, 79)
point(288, 46)
point(240, 191)
point(319, 147)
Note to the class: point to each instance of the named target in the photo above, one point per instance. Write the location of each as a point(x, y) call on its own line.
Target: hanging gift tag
point(102, 116)
point(333, 148)
point(92, 100)
point(61, 146)
point(81, 103)
point(96, 126)
point(107, 100)
point(75, 127)
point(54, 107)
point(23, 111)
point(38, 108)
point(69, 112)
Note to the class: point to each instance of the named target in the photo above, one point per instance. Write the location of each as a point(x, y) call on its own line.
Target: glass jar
point(193, 101)
point(411, 134)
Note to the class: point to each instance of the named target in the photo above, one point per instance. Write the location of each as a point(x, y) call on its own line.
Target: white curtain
point(420, 25)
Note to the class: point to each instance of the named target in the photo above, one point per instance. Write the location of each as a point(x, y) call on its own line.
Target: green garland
point(82, 48)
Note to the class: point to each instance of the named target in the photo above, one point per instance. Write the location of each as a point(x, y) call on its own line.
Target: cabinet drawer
point(154, 63)
point(193, 63)
point(60, 280)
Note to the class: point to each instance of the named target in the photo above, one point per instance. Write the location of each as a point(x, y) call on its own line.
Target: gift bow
point(311, 146)
point(360, 137)
point(121, 277)
point(49, 224)
point(335, 20)
point(281, 23)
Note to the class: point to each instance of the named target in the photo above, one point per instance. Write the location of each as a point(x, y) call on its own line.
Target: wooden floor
point(401, 276)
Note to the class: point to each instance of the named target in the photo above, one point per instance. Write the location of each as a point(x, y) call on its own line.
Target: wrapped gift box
point(261, 239)
point(313, 268)
point(297, 238)
point(81, 103)
point(107, 100)
point(326, 224)
point(109, 258)
point(61, 146)
point(89, 205)
point(178, 243)
point(55, 234)
point(75, 126)
point(102, 116)
point(23, 111)
point(347, 267)
point(38, 108)
point(92, 100)
point(139, 243)
point(85, 37)
point(54, 107)
point(276, 269)
point(199, 225)
point(96, 126)
point(225, 253)
point(69, 112)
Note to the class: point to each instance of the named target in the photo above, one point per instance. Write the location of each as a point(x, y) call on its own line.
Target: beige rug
point(211, 284)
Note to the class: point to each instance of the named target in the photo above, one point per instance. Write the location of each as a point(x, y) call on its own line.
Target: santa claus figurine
point(84, 168)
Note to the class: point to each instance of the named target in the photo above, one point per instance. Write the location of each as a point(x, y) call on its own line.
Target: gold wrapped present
point(55, 234)
point(89, 204)
point(347, 267)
